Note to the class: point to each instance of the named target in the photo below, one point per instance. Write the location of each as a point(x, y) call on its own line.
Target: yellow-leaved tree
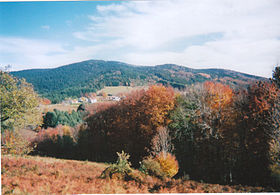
point(18, 106)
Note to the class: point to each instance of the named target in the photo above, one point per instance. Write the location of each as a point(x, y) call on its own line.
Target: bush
point(13, 143)
point(119, 170)
point(168, 163)
point(150, 166)
point(162, 166)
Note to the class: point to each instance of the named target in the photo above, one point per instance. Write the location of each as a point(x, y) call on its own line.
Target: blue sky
point(34, 19)
point(230, 34)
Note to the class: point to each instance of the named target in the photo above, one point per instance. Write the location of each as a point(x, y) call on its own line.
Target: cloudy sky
point(231, 34)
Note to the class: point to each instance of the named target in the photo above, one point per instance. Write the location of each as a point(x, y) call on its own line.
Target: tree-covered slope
point(88, 76)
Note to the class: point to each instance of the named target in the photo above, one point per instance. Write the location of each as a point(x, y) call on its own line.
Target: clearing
point(61, 107)
point(120, 89)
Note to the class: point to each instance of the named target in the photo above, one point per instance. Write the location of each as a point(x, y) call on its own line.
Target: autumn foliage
point(226, 136)
point(14, 143)
point(56, 142)
point(168, 164)
point(128, 125)
point(98, 107)
point(261, 120)
point(218, 95)
point(19, 103)
point(163, 165)
point(212, 132)
point(45, 101)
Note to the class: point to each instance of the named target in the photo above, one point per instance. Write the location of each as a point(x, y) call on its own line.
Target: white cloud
point(36, 53)
point(29, 53)
point(111, 8)
point(47, 27)
point(171, 31)
point(250, 29)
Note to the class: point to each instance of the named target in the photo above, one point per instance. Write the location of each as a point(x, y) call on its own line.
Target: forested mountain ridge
point(89, 76)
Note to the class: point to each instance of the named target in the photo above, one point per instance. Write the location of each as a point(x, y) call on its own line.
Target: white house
point(116, 98)
point(92, 100)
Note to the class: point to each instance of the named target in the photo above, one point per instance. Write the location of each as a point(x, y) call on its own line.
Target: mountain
point(89, 76)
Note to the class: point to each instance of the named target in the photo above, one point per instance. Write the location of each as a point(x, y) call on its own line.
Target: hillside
point(41, 175)
point(89, 76)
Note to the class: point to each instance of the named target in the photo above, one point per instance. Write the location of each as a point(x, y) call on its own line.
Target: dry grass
point(37, 175)
point(61, 107)
point(120, 89)
point(40, 175)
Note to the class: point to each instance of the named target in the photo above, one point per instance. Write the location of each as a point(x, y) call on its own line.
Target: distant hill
point(75, 79)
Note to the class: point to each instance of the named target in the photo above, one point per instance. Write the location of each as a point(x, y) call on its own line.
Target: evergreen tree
point(276, 76)
point(50, 120)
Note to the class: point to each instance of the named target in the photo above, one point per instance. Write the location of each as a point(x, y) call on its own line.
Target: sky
point(231, 34)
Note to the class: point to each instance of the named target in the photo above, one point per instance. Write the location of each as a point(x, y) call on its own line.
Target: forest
point(66, 81)
point(208, 132)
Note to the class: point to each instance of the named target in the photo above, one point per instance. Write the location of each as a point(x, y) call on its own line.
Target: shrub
point(119, 170)
point(168, 163)
point(66, 131)
point(14, 143)
point(162, 166)
point(150, 166)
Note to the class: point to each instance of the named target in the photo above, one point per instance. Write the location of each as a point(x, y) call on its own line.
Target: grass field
point(61, 107)
point(120, 89)
point(41, 175)
point(108, 90)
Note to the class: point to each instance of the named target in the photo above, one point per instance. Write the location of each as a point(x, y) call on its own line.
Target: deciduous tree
point(128, 125)
point(19, 102)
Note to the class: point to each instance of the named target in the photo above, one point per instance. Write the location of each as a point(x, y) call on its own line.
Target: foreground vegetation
point(41, 175)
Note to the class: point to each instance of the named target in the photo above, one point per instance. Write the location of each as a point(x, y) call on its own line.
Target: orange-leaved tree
point(128, 125)
point(259, 126)
point(218, 96)
point(200, 123)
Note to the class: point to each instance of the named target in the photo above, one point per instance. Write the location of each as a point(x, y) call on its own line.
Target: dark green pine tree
point(276, 76)
point(50, 120)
